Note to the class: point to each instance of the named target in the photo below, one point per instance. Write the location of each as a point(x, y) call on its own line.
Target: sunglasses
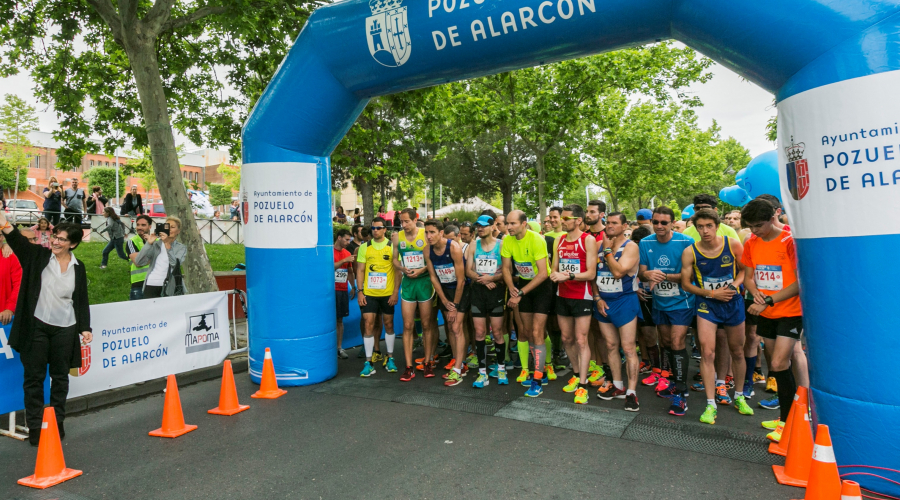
point(567, 218)
point(660, 223)
point(376, 228)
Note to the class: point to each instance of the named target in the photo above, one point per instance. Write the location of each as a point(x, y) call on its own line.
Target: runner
point(343, 274)
point(771, 261)
point(649, 343)
point(574, 267)
point(416, 291)
point(466, 236)
point(530, 292)
point(445, 265)
point(643, 218)
point(702, 201)
point(673, 308)
point(618, 309)
point(715, 279)
point(488, 297)
point(594, 220)
point(733, 220)
point(553, 328)
point(375, 277)
point(500, 229)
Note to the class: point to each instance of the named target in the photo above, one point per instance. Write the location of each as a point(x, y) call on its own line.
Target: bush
point(461, 215)
point(219, 194)
point(105, 177)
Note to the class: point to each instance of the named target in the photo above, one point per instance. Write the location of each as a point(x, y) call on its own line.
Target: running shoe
point(743, 408)
point(759, 378)
point(419, 360)
point(463, 372)
point(390, 365)
point(653, 379)
point(446, 352)
point(679, 406)
point(429, 371)
point(770, 425)
point(596, 379)
point(421, 367)
point(501, 378)
point(482, 381)
point(631, 402)
point(729, 381)
point(572, 386)
point(610, 393)
point(771, 385)
point(593, 366)
point(342, 354)
point(549, 372)
point(722, 396)
point(408, 375)
point(770, 404)
point(545, 380)
point(581, 396)
point(563, 361)
point(645, 367)
point(453, 378)
point(514, 362)
point(417, 343)
point(664, 382)
point(368, 370)
point(668, 392)
point(376, 357)
point(695, 353)
point(775, 436)
point(492, 367)
point(748, 389)
point(709, 415)
point(698, 377)
point(451, 364)
point(525, 375)
point(699, 387)
point(472, 361)
point(535, 390)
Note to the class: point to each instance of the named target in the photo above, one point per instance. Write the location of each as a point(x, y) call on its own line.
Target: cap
point(484, 220)
point(644, 214)
point(534, 226)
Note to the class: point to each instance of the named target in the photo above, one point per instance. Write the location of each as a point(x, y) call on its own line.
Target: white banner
point(152, 338)
point(280, 205)
point(839, 158)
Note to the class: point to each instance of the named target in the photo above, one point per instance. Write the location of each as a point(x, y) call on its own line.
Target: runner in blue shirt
point(673, 308)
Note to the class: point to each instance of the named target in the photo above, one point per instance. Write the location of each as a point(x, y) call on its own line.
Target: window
point(107, 164)
point(92, 163)
point(184, 175)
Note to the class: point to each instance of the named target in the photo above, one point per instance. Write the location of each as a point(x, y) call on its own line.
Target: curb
point(118, 395)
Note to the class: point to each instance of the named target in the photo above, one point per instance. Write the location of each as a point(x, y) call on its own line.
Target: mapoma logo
point(387, 34)
point(202, 331)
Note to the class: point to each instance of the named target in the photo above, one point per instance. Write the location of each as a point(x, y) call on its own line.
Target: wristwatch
point(572, 276)
point(521, 293)
point(769, 300)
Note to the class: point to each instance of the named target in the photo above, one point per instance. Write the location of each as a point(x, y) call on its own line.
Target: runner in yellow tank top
point(375, 275)
point(417, 291)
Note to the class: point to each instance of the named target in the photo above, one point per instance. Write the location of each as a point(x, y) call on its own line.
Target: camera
point(161, 228)
point(54, 184)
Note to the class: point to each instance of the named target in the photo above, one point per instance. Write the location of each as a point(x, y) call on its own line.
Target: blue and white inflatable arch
point(832, 66)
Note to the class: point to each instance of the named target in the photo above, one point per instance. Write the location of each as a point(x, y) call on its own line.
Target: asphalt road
point(378, 438)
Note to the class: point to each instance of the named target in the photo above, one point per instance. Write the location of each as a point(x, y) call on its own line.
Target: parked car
point(156, 210)
point(22, 212)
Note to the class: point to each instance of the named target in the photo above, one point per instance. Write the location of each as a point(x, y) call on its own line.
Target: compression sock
point(555, 342)
point(751, 365)
point(539, 353)
point(680, 361)
point(523, 349)
point(369, 343)
point(481, 353)
point(786, 390)
point(389, 340)
point(653, 352)
point(666, 360)
point(500, 352)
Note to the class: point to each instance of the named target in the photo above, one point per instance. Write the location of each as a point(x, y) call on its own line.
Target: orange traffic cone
point(795, 471)
point(850, 490)
point(824, 480)
point(228, 397)
point(268, 387)
point(50, 468)
point(173, 419)
point(781, 447)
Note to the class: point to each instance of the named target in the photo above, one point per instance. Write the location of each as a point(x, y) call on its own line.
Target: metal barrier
point(213, 231)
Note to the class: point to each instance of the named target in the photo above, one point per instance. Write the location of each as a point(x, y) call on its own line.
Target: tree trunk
point(507, 192)
point(368, 197)
point(142, 55)
point(542, 181)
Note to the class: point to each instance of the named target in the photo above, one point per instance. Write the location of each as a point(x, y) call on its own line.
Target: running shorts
point(751, 319)
point(790, 327)
point(678, 317)
point(416, 290)
point(722, 314)
point(464, 303)
point(622, 310)
point(537, 301)
point(375, 305)
point(646, 313)
point(487, 302)
point(342, 303)
point(573, 308)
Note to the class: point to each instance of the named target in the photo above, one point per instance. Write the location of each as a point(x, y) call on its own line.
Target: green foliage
point(232, 175)
point(8, 176)
point(219, 194)
point(113, 283)
point(462, 216)
point(17, 119)
point(335, 227)
point(105, 177)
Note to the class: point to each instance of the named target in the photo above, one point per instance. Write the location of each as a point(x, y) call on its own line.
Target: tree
point(8, 176)
point(232, 176)
point(17, 119)
point(219, 195)
point(143, 68)
point(105, 177)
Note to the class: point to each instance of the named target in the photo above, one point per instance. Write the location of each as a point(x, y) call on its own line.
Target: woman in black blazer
point(51, 313)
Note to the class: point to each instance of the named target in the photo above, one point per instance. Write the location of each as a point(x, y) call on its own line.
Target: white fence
point(217, 232)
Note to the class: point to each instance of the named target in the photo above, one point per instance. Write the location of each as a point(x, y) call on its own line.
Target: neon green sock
point(523, 353)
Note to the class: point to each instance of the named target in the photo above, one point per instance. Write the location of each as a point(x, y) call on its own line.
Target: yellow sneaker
point(771, 385)
point(581, 396)
point(594, 366)
point(758, 378)
point(596, 378)
point(572, 385)
point(522, 376)
point(771, 425)
point(551, 374)
point(775, 436)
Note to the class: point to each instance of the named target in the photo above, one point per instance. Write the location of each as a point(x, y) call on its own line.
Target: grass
point(113, 283)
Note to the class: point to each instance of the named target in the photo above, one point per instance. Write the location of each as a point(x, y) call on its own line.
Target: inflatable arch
point(832, 65)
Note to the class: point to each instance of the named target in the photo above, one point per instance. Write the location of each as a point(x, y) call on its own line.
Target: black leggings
point(50, 345)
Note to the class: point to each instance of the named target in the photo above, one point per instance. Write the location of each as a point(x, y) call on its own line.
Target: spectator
point(53, 201)
point(236, 211)
point(98, 202)
point(43, 230)
point(132, 247)
point(354, 243)
point(341, 216)
point(10, 277)
point(217, 214)
point(52, 311)
point(76, 204)
point(163, 255)
point(381, 212)
point(132, 204)
point(396, 220)
point(117, 230)
point(357, 218)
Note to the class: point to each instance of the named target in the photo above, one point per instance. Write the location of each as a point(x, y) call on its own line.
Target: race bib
point(667, 289)
point(769, 278)
point(445, 273)
point(607, 283)
point(377, 281)
point(525, 270)
point(569, 266)
point(486, 266)
point(414, 260)
point(340, 275)
point(717, 283)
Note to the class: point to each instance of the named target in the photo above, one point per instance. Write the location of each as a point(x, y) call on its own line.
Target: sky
point(740, 107)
